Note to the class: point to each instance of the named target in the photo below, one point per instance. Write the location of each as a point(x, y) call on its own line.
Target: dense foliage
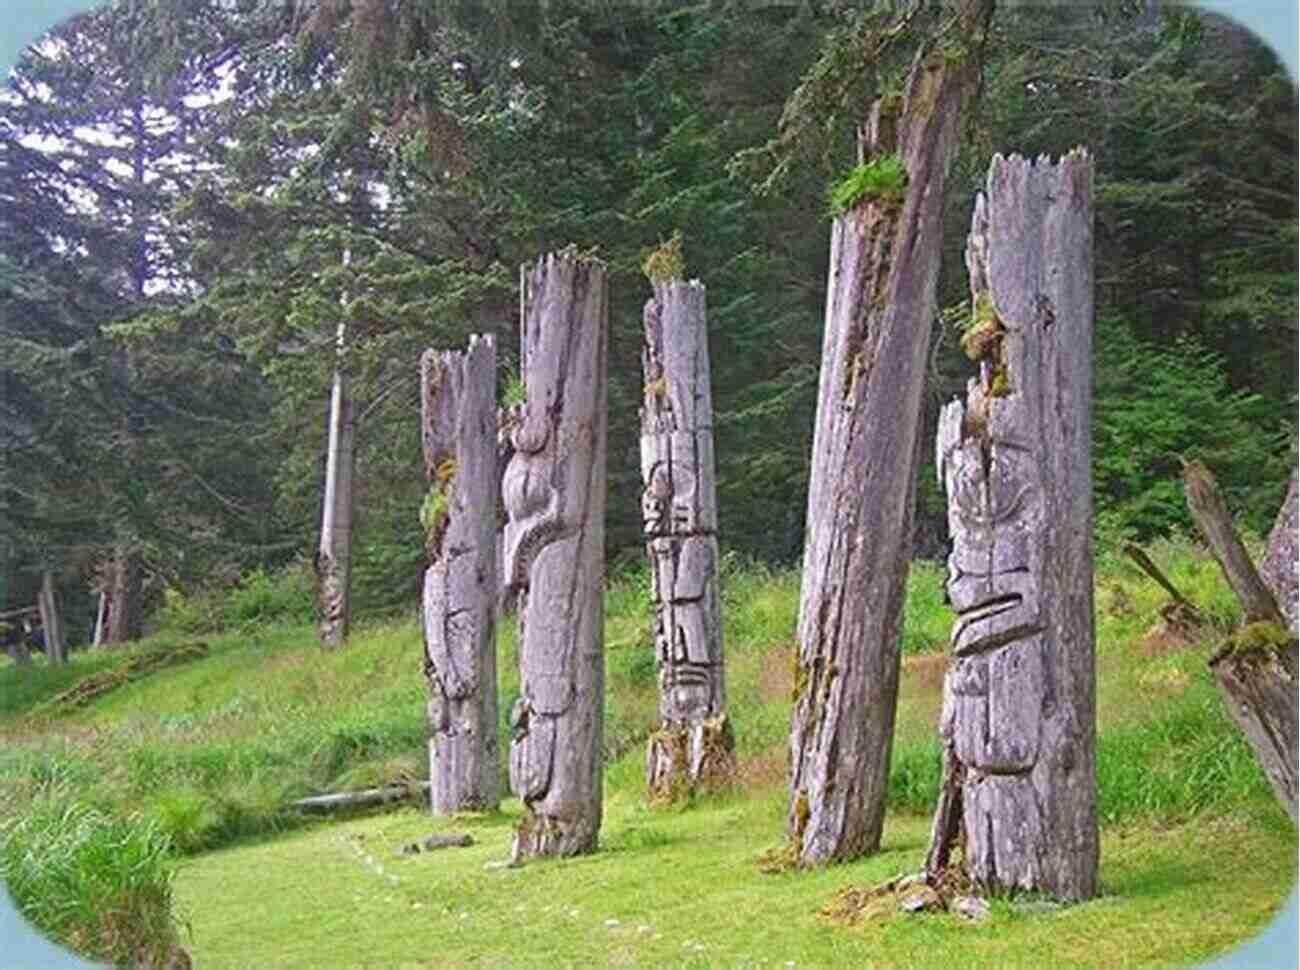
point(196, 193)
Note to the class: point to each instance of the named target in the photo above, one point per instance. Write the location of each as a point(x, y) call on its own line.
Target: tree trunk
point(47, 602)
point(124, 616)
point(101, 619)
point(1258, 682)
point(885, 257)
point(554, 490)
point(334, 557)
point(1282, 556)
point(1211, 514)
point(458, 425)
point(1019, 712)
point(693, 745)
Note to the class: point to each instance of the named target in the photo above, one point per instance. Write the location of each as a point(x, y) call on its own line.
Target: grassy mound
point(211, 752)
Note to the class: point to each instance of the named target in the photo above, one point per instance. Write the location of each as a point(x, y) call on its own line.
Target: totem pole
point(554, 491)
point(459, 516)
point(1019, 716)
point(693, 745)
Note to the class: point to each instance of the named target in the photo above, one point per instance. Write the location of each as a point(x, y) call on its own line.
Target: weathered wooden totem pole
point(880, 303)
point(693, 745)
point(1019, 715)
point(459, 515)
point(554, 491)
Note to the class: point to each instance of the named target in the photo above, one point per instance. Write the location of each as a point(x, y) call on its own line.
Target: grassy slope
point(1195, 853)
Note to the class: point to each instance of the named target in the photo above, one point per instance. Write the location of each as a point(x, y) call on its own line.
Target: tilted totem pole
point(459, 515)
point(1019, 713)
point(693, 746)
point(880, 304)
point(554, 492)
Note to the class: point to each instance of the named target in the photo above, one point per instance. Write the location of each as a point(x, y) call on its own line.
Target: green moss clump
point(665, 261)
point(1261, 637)
point(435, 507)
point(1000, 386)
point(881, 179)
point(514, 392)
point(983, 332)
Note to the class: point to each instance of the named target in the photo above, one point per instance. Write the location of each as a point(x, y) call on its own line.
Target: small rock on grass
point(919, 900)
point(972, 907)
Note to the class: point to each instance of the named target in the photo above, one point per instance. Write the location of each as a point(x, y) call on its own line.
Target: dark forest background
point(179, 180)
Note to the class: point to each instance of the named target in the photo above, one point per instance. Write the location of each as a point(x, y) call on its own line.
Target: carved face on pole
point(655, 501)
point(994, 705)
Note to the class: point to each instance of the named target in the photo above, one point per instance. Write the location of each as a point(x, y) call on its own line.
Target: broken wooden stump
point(1256, 668)
point(554, 492)
point(1018, 725)
point(1256, 672)
point(693, 745)
point(459, 516)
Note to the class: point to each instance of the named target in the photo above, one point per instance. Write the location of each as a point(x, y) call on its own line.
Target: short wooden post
point(554, 491)
point(679, 505)
point(460, 585)
point(1018, 722)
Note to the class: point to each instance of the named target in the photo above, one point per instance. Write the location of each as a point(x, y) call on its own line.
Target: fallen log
point(367, 796)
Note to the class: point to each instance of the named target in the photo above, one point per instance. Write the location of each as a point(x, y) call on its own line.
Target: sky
point(22, 21)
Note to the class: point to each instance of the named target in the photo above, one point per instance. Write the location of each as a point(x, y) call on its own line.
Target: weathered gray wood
point(1282, 557)
point(1018, 721)
point(693, 745)
point(47, 602)
point(880, 302)
point(554, 491)
point(458, 424)
point(1257, 677)
point(1210, 512)
point(101, 619)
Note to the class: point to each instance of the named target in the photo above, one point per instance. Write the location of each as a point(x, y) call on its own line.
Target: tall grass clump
point(96, 883)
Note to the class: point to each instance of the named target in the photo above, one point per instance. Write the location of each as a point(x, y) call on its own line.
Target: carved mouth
point(967, 637)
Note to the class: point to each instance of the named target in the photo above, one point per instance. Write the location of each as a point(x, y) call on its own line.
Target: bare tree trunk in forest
point(885, 256)
point(1018, 725)
point(124, 622)
point(47, 602)
point(554, 490)
point(693, 746)
point(334, 556)
point(458, 430)
point(102, 607)
point(1282, 556)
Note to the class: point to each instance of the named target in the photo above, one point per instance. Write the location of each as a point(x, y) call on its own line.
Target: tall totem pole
point(459, 515)
point(1019, 714)
point(693, 745)
point(554, 491)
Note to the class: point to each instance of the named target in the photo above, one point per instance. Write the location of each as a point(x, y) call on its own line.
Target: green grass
point(1196, 854)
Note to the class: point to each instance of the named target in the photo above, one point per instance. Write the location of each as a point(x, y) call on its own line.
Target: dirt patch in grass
point(926, 670)
point(776, 676)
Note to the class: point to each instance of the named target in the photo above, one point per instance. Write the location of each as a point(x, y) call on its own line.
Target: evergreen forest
point(198, 194)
